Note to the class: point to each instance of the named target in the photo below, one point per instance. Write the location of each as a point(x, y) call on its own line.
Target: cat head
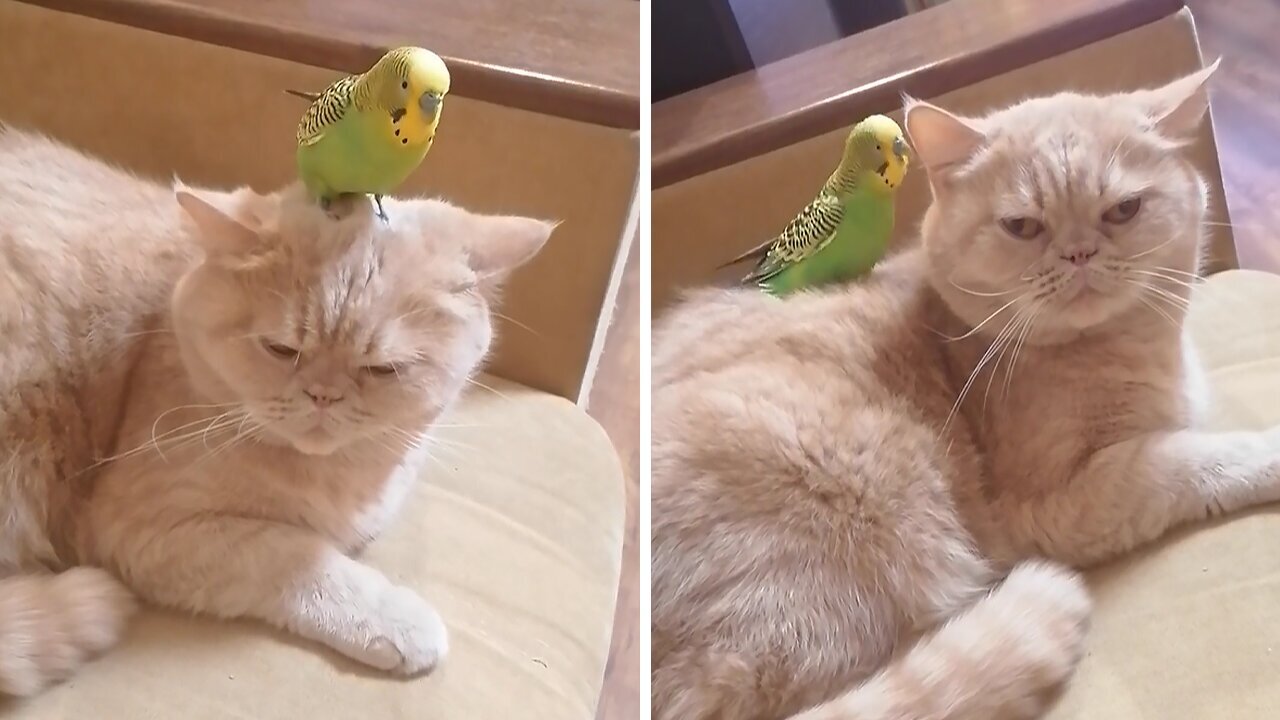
point(1070, 208)
point(329, 331)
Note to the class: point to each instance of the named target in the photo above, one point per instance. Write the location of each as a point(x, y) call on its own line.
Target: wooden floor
point(1245, 99)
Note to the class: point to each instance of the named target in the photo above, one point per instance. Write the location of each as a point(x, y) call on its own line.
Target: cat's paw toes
point(412, 631)
point(98, 606)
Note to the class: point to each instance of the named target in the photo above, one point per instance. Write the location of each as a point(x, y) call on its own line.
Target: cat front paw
point(408, 636)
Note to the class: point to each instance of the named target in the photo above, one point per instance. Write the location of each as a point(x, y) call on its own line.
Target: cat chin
point(318, 443)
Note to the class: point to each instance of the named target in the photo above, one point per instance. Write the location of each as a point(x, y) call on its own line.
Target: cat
point(870, 502)
point(209, 400)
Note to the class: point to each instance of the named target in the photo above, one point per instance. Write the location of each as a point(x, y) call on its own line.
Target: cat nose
point(322, 396)
point(1078, 257)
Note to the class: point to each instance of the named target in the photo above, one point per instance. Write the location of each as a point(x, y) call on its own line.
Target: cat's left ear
point(1178, 108)
point(500, 244)
point(942, 140)
point(222, 221)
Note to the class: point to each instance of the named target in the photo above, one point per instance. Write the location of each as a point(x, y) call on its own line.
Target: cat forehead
point(1069, 118)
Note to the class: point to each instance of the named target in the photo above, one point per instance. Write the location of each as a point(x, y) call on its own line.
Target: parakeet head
point(878, 148)
point(412, 77)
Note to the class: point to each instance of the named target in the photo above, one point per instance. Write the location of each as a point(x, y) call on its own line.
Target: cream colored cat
point(852, 489)
point(217, 399)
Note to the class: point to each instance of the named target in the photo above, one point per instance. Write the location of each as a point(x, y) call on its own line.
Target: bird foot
point(382, 214)
point(339, 206)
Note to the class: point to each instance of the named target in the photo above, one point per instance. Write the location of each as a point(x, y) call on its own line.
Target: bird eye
point(404, 84)
point(382, 370)
point(280, 350)
point(1122, 212)
point(1023, 228)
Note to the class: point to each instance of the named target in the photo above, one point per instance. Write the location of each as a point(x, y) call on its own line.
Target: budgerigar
point(845, 230)
point(365, 133)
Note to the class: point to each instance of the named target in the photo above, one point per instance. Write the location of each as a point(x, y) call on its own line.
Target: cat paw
point(408, 637)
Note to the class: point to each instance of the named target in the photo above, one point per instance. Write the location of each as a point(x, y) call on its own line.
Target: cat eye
point(279, 350)
point(1123, 212)
point(382, 370)
point(1023, 228)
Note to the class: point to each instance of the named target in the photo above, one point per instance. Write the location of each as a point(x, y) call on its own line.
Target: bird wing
point(805, 236)
point(327, 110)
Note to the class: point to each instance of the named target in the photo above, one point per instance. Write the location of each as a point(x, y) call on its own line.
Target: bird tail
point(751, 254)
point(311, 97)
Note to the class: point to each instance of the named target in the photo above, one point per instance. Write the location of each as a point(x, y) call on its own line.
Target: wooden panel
point(927, 54)
point(144, 100)
point(615, 404)
point(576, 59)
point(701, 222)
point(1246, 115)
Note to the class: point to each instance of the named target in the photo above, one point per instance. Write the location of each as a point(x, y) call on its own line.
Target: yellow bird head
point(412, 77)
point(878, 147)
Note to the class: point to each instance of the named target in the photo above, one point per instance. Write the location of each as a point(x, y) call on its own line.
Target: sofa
point(515, 532)
point(1187, 629)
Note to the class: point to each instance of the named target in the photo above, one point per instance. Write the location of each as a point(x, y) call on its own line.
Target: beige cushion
point(1190, 629)
point(515, 536)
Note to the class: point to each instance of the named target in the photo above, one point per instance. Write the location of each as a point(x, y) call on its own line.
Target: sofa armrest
point(560, 58)
point(925, 54)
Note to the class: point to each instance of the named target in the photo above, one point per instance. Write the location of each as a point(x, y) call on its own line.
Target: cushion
point(1190, 628)
point(514, 534)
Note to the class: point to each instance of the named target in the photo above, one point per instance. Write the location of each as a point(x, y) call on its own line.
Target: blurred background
point(696, 42)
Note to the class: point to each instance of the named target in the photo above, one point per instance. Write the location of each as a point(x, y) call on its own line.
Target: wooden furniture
point(734, 160)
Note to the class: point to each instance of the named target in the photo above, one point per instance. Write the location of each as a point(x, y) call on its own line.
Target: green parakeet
point(365, 133)
point(845, 231)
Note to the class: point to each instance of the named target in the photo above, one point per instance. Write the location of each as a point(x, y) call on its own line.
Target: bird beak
point(430, 103)
point(900, 148)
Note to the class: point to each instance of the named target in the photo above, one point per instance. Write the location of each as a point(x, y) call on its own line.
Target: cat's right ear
point(215, 217)
point(941, 140)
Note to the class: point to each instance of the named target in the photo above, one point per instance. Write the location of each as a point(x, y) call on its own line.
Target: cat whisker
point(988, 319)
point(1183, 282)
point(1148, 251)
point(155, 425)
point(1013, 328)
point(1160, 311)
point(495, 391)
point(515, 322)
point(975, 293)
point(1017, 348)
point(964, 391)
point(170, 441)
point(240, 436)
point(1175, 271)
point(1169, 297)
point(1178, 286)
point(1148, 297)
point(1251, 227)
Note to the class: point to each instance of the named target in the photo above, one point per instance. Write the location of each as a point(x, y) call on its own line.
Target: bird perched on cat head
point(365, 133)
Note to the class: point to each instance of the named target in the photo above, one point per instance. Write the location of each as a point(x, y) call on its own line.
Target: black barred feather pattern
point(398, 62)
point(326, 110)
point(804, 236)
point(353, 90)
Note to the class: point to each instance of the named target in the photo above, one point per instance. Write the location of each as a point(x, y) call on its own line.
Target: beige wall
point(161, 105)
point(703, 221)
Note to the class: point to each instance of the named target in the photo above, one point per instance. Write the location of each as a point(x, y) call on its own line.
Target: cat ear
point(941, 139)
point(215, 216)
point(1178, 108)
point(500, 244)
